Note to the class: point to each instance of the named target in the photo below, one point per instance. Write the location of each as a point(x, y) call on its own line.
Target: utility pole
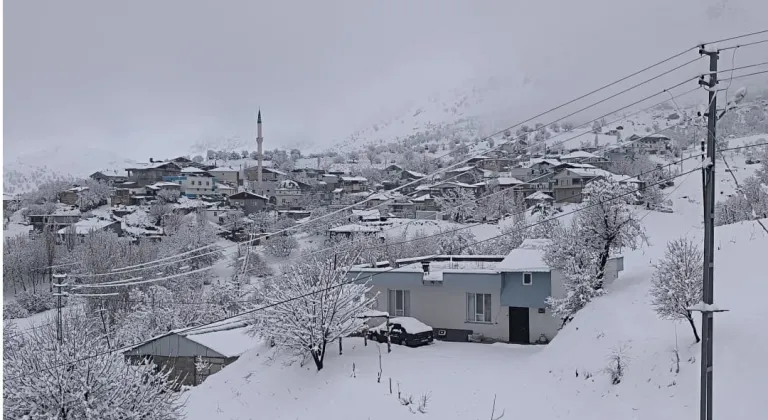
point(61, 281)
point(709, 238)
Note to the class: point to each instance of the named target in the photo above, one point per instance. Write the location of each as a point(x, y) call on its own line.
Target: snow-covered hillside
point(28, 171)
point(567, 378)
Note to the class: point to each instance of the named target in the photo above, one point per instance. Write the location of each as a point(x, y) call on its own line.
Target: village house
point(465, 174)
point(194, 182)
point(537, 198)
point(402, 207)
point(581, 156)
point(152, 172)
point(651, 144)
point(352, 184)
point(152, 190)
point(110, 176)
point(568, 182)
point(471, 297)
point(76, 232)
point(352, 231)
point(216, 345)
point(60, 218)
point(227, 174)
point(248, 202)
point(288, 194)
point(71, 195)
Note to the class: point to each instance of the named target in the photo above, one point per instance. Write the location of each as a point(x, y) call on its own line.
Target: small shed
point(214, 347)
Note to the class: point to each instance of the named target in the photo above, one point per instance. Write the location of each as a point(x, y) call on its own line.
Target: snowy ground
point(542, 382)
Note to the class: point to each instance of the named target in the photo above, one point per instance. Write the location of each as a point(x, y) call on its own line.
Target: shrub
point(36, 302)
point(14, 310)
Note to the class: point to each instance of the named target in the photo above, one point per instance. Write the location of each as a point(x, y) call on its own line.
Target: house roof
point(533, 162)
point(223, 169)
point(264, 169)
point(354, 179)
point(228, 343)
point(338, 190)
point(288, 184)
point(153, 165)
point(246, 195)
point(528, 257)
point(84, 227)
point(415, 174)
point(462, 169)
point(353, 228)
point(539, 195)
point(424, 197)
point(192, 170)
point(579, 154)
point(451, 184)
point(77, 189)
point(160, 184)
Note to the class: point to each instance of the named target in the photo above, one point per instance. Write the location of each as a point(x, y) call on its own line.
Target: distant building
point(110, 176)
point(78, 231)
point(249, 202)
point(288, 194)
point(194, 182)
point(152, 172)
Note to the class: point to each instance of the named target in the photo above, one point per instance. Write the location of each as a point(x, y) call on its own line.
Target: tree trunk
point(603, 261)
point(693, 327)
point(319, 356)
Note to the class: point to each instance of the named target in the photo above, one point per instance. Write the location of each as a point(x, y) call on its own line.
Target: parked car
point(403, 330)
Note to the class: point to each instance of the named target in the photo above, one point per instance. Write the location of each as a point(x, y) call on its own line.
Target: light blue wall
point(515, 293)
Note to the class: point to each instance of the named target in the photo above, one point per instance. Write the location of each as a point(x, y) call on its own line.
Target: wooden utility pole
point(61, 281)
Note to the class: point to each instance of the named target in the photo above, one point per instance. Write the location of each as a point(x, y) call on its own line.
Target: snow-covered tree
point(607, 220)
point(280, 246)
point(677, 283)
point(454, 242)
point(312, 305)
point(96, 194)
point(158, 210)
point(81, 378)
point(169, 195)
point(458, 203)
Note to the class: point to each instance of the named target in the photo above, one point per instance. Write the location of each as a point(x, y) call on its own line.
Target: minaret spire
point(259, 141)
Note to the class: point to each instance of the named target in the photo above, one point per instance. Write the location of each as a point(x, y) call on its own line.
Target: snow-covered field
point(567, 378)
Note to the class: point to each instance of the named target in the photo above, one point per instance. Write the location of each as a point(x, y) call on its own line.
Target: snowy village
point(558, 264)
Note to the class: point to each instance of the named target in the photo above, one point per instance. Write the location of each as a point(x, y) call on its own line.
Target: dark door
point(519, 332)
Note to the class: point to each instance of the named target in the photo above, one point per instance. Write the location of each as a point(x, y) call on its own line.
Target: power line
point(743, 45)
point(737, 37)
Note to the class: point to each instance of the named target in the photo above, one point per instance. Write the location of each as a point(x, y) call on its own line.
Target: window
point(399, 302)
point(207, 183)
point(478, 307)
point(214, 213)
point(527, 279)
point(576, 181)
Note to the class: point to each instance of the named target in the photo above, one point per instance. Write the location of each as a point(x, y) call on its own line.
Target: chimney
point(151, 160)
point(425, 266)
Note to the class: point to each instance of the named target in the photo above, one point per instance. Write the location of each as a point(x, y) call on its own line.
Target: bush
point(14, 310)
point(36, 302)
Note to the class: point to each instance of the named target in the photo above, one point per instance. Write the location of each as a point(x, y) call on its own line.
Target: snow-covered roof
point(247, 195)
point(539, 195)
point(462, 169)
point(353, 228)
point(161, 184)
point(533, 162)
point(338, 190)
point(192, 170)
point(152, 165)
point(366, 213)
point(77, 189)
point(452, 184)
point(288, 185)
point(354, 179)
point(224, 169)
point(228, 343)
point(424, 197)
point(528, 257)
point(415, 174)
point(579, 154)
point(84, 227)
point(508, 180)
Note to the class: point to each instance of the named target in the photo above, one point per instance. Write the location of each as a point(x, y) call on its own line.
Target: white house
point(501, 298)
point(287, 194)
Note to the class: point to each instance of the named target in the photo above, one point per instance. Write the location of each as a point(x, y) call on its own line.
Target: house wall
point(515, 293)
point(68, 197)
point(542, 323)
point(568, 195)
point(612, 268)
point(231, 177)
point(249, 206)
point(445, 306)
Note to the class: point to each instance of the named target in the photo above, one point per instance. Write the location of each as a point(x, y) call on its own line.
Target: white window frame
point(399, 298)
point(483, 314)
point(530, 277)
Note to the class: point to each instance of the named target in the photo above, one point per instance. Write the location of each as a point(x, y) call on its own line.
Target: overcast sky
point(150, 77)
